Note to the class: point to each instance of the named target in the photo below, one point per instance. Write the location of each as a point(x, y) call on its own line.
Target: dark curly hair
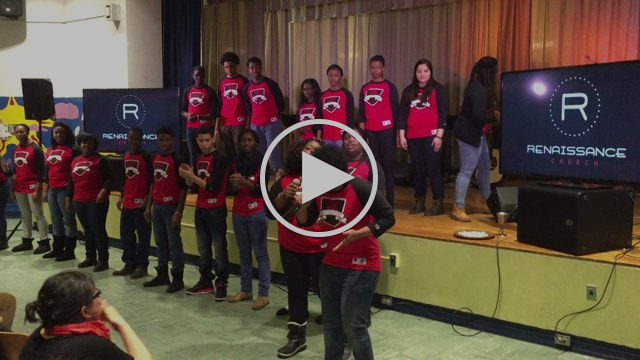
point(231, 57)
point(69, 137)
point(333, 156)
point(61, 298)
point(293, 159)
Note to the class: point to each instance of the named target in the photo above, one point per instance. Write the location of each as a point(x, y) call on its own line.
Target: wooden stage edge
point(442, 227)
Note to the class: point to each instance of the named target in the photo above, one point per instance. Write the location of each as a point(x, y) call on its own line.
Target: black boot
point(69, 249)
point(418, 207)
point(437, 208)
point(26, 245)
point(161, 279)
point(58, 248)
point(297, 340)
point(4, 244)
point(177, 283)
point(43, 247)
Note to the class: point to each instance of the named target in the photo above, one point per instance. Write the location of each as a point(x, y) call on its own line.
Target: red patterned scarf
point(86, 328)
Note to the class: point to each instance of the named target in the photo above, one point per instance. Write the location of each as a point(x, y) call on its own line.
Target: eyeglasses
point(96, 294)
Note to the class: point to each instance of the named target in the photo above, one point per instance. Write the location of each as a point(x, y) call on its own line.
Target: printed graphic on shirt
point(331, 103)
point(55, 156)
point(373, 96)
point(332, 211)
point(160, 170)
point(196, 98)
point(258, 96)
point(350, 170)
point(82, 167)
point(131, 168)
point(203, 170)
point(307, 114)
point(230, 90)
point(417, 104)
point(20, 158)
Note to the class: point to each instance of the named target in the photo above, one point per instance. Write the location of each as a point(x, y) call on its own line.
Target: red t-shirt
point(137, 179)
point(337, 105)
point(232, 111)
point(307, 111)
point(58, 161)
point(167, 182)
point(87, 179)
point(423, 117)
point(244, 203)
point(376, 105)
point(264, 108)
point(28, 166)
point(204, 170)
point(199, 101)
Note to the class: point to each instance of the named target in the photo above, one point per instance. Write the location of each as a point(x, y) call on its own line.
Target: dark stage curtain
point(180, 40)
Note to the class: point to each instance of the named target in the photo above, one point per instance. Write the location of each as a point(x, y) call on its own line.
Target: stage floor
point(442, 227)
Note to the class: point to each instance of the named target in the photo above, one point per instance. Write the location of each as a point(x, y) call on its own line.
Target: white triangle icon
point(319, 177)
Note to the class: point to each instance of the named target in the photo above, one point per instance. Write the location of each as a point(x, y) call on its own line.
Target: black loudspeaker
point(117, 171)
point(575, 221)
point(11, 8)
point(504, 199)
point(38, 99)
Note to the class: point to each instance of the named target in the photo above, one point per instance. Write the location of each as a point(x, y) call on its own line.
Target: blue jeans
point(192, 145)
point(211, 229)
point(167, 237)
point(63, 221)
point(251, 232)
point(5, 189)
point(268, 133)
point(346, 299)
point(471, 158)
point(95, 231)
point(132, 221)
point(426, 163)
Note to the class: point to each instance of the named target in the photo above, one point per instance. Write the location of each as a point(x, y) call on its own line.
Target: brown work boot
point(241, 296)
point(260, 302)
point(458, 213)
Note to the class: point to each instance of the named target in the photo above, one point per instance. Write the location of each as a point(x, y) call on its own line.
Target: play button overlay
point(318, 178)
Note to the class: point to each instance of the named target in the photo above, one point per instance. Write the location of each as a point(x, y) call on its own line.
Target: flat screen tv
point(110, 113)
point(580, 123)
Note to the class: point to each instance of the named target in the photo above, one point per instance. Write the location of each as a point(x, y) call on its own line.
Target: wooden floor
point(442, 228)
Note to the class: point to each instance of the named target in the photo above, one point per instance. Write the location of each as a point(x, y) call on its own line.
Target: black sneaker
point(221, 291)
point(202, 287)
point(87, 263)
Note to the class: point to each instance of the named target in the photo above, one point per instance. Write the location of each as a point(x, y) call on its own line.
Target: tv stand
point(576, 185)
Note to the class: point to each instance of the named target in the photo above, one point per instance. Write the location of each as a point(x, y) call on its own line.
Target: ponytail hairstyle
point(61, 298)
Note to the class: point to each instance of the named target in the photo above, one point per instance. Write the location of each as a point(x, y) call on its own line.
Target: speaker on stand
point(38, 101)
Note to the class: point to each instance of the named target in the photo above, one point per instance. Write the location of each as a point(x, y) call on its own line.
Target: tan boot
point(260, 302)
point(241, 296)
point(458, 213)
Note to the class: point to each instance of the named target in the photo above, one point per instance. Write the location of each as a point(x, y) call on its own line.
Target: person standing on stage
point(265, 105)
point(233, 115)
point(479, 108)
point(89, 186)
point(250, 223)
point(199, 107)
point(378, 113)
point(309, 109)
point(422, 119)
point(132, 204)
point(358, 161)
point(58, 161)
point(337, 105)
point(210, 177)
point(29, 173)
point(351, 265)
point(300, 255)
point(168, 195)
point(5, 190)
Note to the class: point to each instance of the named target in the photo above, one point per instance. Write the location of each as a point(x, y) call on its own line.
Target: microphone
point(292, 210)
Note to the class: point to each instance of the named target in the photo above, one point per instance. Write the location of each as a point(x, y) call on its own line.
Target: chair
point(11, 345)
point(7, 309)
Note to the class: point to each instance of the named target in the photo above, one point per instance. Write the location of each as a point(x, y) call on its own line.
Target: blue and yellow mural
point(68, 110)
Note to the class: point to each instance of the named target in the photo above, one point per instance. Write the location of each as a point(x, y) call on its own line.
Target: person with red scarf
point(74, 320)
